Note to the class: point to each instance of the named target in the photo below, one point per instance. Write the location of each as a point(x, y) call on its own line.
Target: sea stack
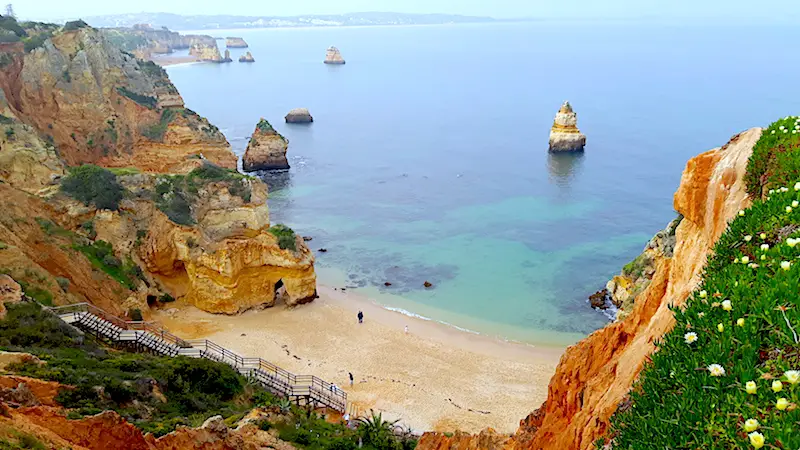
point(565, 136)
point(299, 115)
point(227, 57)
point(266, 150)
point(333, 56)
point(247, 58)
point(235, 42)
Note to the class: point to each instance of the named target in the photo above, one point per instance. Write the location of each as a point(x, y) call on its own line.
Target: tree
point(10, 11)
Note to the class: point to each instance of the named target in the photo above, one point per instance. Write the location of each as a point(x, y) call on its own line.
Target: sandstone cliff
point(266, 149)
point(155, 40)
point(333, 56)
point(235, 42)
point(97, 104)
point(205, 52)
point(564, 135)
point(595, 375)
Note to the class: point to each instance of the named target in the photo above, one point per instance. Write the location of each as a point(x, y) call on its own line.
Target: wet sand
point(433, 378)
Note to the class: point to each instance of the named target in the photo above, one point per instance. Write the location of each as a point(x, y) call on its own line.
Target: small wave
point(417, 316)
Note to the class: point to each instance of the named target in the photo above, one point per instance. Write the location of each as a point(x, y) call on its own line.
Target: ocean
point(427, 159)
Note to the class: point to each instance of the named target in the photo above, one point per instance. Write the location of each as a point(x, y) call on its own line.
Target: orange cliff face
point(97, 104)
point(594, 376)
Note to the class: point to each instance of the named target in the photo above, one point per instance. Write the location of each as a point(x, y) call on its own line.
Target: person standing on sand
point(351, 378)
point(360, 317)
point(406, 329)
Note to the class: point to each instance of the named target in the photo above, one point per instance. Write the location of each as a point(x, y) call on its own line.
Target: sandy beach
point(169, 60)
point(432, 378)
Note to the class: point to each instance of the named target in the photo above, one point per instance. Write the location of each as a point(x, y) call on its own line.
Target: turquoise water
point(428, 156)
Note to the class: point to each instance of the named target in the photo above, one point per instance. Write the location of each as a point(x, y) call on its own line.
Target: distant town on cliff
point(210, 22)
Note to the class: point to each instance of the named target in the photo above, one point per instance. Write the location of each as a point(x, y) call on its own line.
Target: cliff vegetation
point(727, 375)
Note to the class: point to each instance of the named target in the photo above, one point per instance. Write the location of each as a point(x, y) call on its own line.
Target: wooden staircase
point(146, 337)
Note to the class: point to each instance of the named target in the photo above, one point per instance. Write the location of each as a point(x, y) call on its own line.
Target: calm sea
point(428, 156)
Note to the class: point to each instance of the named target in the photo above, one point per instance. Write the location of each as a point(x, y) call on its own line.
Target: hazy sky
point(738, 10)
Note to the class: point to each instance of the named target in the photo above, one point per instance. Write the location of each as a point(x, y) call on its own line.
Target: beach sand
point(434, 377)
point(170, 60)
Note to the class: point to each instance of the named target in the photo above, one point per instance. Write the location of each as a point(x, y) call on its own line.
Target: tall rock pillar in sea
point(333, 56)
point(266, 150)
point(565, 136)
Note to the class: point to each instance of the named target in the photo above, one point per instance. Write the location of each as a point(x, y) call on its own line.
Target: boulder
point(564, 135)
point(246, 58)
point(235, 42)
point(600, 300)
point(266, 150)
point(333, 56)
point(299, 115)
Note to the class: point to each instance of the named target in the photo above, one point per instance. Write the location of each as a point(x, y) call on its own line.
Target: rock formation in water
point(246, 58)
point(97, 104)
point(227, 57)
point(299, 115)
point(333, 56)
point(595, 375)
point(235, 42)
point(565, 136)
point(266, 149)
point(204, 52)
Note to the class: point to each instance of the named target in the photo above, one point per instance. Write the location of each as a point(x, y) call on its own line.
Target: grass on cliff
point(144, 100)
point(93, 185)
point(156, 131)
point(725, 376)
point(155, 393)
point(101, 255)
point(174, 195)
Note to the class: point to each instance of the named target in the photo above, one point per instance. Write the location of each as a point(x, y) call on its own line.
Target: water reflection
point(563, 167)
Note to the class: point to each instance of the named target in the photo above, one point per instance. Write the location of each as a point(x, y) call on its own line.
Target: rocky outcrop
point(205, 52)
point(487, 440)
point(564, 135)
point(332, 56)
point(595, 375)
point(266, 149)
point(235, 42)
point(299, 115)
point(246, 58)
point(97, 104)
point(227, 57)
point(154, 40)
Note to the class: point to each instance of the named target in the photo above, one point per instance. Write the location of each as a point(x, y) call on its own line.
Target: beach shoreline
point(434, 377)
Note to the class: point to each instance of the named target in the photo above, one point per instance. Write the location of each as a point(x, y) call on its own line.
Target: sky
point(734, 10)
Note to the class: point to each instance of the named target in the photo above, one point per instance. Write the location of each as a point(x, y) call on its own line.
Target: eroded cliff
point(595, 375)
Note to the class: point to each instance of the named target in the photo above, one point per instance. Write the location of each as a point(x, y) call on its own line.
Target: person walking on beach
point(351, 378)
point(406, 329)
point(360, 317)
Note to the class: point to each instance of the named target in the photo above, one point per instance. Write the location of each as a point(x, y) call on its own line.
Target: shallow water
point(428, 156)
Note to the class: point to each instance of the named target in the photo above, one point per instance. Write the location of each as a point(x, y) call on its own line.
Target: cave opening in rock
point(279, 292)
point(151, 300)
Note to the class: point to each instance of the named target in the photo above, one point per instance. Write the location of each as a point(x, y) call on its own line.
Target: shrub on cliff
point(287, 240)
point(727, 375)
point(93, 185)
point(75, 25)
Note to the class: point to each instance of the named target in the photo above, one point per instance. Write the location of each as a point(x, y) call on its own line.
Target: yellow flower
point(756, 439)
point(764, 247)
point(748, 238)
point(795, 204)
point(782, 404)
point(716, 370)
point(788, 209)
point(690, 337)
point(763, 257)
point(720, 327)
point(797, 187)
point(703, 294)
point(736, 261)
point(726, 305)
point(763, 235)
point(792, 242)
point(745, 259)
point(786, 265)
point(750, 387)
point(751, 425)
point(741, 213)
point(777, 386)
point(792, 376)
point(740, 322)
point(701, 314)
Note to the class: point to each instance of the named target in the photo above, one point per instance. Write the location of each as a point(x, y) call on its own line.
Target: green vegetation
point(776, 158)
point(725, 376)
point(144, 100)
point(151, 69)
point(10, 25)
point(635, 268)
point(136, 315)
point(63, 283)
point(156, 132)
point(287, 240)
point(75, 25)
point(122, 171)
point(175, 194)
point(52, 229)
point(37, 293)
point(264, 126)
point(3, 245)
point(9, 133)
point(132, 384)
point(312, 432)
point(22, 441)
point(36, 41)
point(101, 255)
point(93, 185)
point(6, 120)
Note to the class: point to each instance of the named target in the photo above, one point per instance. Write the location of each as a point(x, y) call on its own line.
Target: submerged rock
point(564, 135)
point(247, 58)
point(235, 42)
point(299, 115)
point(266, 150)
point(333, 56)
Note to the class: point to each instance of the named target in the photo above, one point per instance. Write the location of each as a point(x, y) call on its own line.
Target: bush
point(156, 132)
point(27, 326)
point(166, 298)
point(34, 42)
point(75, 25)
point(93, 185)
point(63, 283)
point(744, 317)
point(144, 100)
point(287, 240)
point(9, 23)
point(135, 314)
